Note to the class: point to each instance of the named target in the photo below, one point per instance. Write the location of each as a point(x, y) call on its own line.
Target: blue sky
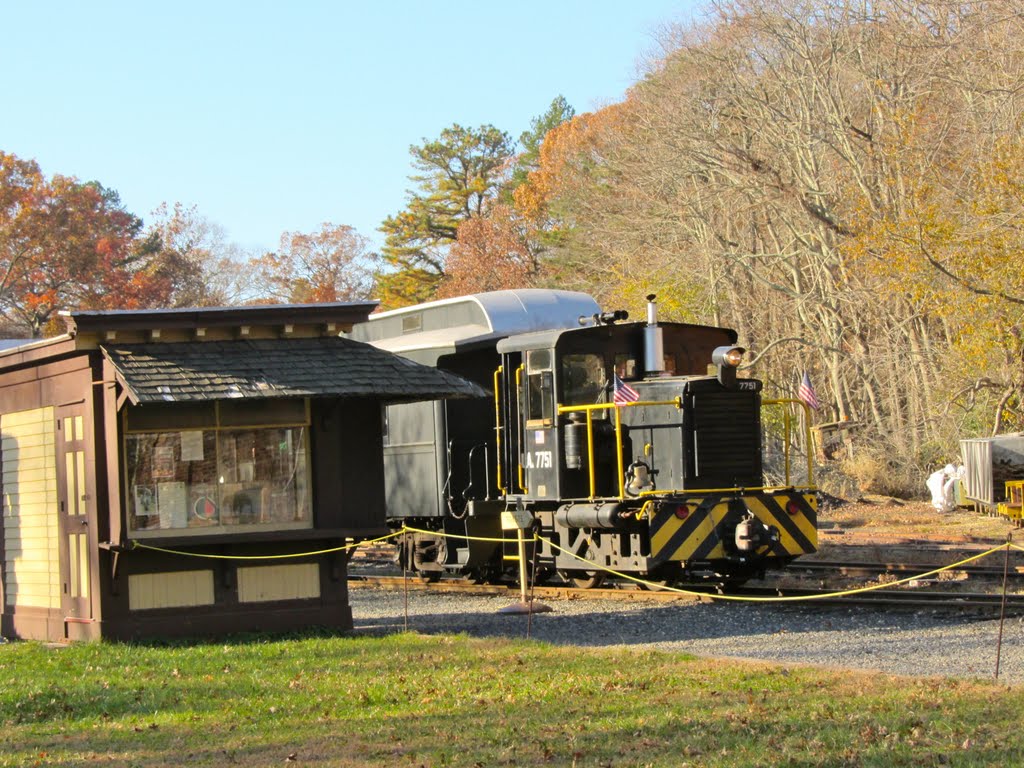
point(274, 117)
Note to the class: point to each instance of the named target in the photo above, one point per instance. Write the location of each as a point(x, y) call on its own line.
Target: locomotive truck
point(627, 447)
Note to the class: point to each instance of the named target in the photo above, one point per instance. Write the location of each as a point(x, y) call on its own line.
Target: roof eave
point(97, 321)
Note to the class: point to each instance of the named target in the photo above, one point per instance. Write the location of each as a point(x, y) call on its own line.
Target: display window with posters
point(198, 469)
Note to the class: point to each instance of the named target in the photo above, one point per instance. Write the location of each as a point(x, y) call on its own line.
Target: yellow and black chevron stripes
point(798, 534)
point(675, 538)
point(706, 532)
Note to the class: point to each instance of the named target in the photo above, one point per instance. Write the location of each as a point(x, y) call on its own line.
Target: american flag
point(806, 393)
point(624, 393)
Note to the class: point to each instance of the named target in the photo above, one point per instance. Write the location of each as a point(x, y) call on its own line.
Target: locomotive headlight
point(726, 360)
point(728, 356)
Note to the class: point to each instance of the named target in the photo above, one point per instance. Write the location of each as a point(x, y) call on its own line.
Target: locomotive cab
point(570, 439)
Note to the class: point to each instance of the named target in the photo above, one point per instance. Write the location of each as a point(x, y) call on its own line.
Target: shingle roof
point(270, 368)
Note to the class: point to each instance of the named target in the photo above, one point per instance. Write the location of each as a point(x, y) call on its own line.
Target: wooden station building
point(159, 467)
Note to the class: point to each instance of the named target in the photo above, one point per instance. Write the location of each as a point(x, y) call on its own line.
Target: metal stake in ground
point(406, 564)
point(1002, 605)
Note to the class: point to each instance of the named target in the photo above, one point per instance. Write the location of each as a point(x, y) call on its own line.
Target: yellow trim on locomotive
point(497, 425)
point(519, 425)
point(677, 402)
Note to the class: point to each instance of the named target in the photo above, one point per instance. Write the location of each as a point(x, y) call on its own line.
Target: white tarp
point(942, 486)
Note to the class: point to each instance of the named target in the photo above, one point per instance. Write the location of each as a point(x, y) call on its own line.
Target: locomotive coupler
point(752, 534)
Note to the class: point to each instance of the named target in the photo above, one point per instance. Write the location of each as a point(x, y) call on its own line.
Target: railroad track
point(829, 568)
point(985, 604)
point(862, 569)
point(909, 598)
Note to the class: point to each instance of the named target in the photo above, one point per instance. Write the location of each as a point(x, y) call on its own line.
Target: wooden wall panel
point(278, 582)
point(29, 503)
point(179, 589)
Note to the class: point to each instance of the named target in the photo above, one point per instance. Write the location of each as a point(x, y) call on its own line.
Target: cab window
point(540, 389)
point(583, 379)
point(625, 366)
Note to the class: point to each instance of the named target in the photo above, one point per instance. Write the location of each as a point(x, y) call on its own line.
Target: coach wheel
point(422, 557)
point(583, 579)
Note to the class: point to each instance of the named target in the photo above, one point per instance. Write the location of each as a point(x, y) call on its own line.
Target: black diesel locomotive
point(632, 447)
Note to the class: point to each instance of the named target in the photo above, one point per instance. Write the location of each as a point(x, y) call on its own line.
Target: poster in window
point(145, 500)
point(172, 499)
point(163, 462)
point(202, 505)
point(192, 446)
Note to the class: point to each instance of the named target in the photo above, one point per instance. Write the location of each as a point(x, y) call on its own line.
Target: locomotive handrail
point(497, 424)
point(676, 401)
point(519, 426)
point(808, 438)
point(487, 471)
point(589, 411)
point(737, 489)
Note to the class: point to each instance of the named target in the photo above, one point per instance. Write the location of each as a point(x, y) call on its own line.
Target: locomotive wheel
point(664, 576)
point(654, 585)
point(583, 579)
point(735, 580)
point(543, 576)
point(730, 584)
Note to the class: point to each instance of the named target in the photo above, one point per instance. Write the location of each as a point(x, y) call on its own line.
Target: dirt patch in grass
point(885, 519)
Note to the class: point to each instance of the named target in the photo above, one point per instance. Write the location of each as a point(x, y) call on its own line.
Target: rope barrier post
point(1002, 605)
point(521, 546)
point(523, 520)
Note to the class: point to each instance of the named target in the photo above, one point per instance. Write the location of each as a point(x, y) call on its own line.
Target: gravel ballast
point(900, 643)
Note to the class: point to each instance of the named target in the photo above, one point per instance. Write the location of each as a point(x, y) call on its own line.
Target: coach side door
point(74, 501)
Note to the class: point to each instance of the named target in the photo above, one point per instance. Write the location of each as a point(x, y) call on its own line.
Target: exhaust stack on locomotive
point(654, 342)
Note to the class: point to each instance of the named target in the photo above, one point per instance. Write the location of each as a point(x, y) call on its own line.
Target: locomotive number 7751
point(539, 460)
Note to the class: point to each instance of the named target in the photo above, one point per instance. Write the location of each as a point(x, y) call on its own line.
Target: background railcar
point(610, 439)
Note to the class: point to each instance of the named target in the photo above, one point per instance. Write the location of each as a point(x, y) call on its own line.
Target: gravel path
point(901, 643)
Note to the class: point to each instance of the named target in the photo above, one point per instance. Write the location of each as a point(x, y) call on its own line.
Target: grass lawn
point(410, 700)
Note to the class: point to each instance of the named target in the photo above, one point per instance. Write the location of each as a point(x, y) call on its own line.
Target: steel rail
point(912, 598)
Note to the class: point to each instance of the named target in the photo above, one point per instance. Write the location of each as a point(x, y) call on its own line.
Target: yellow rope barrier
point(780, 599)
point(590, 565)
point(139, 545)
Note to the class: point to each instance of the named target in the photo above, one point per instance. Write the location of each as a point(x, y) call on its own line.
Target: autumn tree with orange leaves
point(332, 264)
point(495, 251)
point(64, 243)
